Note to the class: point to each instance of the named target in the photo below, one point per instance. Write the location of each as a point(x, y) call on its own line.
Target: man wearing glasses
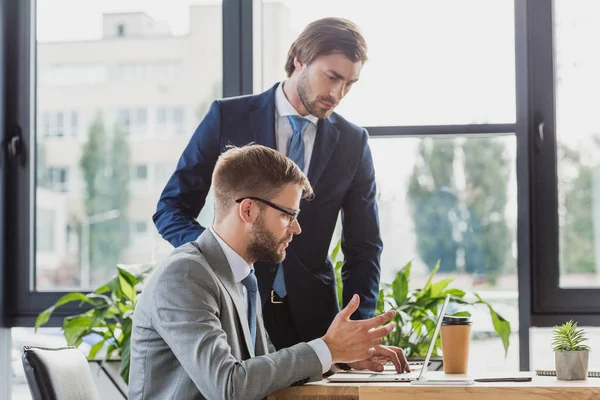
point(197, 327)
point(296, 118)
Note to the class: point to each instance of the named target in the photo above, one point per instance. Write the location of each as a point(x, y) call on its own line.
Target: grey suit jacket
point(189, 340)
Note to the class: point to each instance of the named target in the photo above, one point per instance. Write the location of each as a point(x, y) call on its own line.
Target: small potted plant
point(571, 355)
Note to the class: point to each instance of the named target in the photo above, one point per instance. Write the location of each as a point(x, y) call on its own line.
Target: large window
point(454, 200)
point(566, 250)
point(85, 81)
point(431, 62)
point(577, 62)
point(84, 92)
point(123, 67)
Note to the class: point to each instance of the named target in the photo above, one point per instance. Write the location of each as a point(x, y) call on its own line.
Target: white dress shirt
point(283, 129)
point(241, 269)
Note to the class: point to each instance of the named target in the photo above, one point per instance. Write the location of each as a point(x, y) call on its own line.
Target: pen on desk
point(513, 379)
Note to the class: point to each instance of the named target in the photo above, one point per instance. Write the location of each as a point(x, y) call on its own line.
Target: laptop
point(392, 375)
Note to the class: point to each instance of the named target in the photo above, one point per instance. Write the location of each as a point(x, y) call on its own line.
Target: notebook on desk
point(391, 375)
point(551, 372)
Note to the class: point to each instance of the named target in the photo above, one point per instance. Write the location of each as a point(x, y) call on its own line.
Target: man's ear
point(298, 65)
point(246, 211)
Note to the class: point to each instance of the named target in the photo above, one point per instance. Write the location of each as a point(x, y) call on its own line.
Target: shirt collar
point(284, 108)
point(239, 266)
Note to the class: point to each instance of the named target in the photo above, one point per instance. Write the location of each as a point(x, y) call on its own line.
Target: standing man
point(296, 118)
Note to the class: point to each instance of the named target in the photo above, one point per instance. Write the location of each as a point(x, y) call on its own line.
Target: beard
point(313, 107)
point(264, 246)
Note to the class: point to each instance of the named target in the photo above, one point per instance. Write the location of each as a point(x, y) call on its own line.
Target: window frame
point(551, 303)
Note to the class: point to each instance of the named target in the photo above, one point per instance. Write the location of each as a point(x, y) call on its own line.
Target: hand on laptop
point(350, 341)
point(382, 355)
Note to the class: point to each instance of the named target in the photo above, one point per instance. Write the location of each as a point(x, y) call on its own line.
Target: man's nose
point(295, 227)
point(337, 92)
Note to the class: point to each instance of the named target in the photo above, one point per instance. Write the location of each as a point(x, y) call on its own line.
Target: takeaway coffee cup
point(456, 339)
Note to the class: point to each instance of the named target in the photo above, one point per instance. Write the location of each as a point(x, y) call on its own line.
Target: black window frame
point(541, 301)
point(551, 304)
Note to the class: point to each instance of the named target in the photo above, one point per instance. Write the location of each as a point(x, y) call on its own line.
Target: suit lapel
point(262, 119)
point(211, 250)
point(325, 142)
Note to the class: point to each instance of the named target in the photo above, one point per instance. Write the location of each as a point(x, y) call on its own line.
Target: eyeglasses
point(292, 214)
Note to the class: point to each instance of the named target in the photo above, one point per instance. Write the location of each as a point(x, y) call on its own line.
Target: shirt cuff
point(319, 347)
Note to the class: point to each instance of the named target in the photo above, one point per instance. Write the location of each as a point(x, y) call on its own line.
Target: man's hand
point(383, 355)
point(350, 341)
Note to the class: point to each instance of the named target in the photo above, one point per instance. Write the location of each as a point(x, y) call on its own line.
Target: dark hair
point(327, 36)
point(253, 171)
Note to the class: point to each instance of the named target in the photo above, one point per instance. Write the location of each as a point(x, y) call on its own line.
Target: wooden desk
point(540, 388)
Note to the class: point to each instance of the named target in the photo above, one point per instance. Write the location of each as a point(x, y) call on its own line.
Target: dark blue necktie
point(296, 154)
point(251, 285)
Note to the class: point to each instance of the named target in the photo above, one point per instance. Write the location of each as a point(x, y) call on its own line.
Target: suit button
point(272, 270)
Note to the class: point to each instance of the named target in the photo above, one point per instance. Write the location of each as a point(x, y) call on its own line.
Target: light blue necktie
point(251, 285)
point(296, 154)
point(296, 149)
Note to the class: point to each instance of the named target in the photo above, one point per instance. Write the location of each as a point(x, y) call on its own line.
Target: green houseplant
point(108, 314)
point(417, 310)
point(571, 354)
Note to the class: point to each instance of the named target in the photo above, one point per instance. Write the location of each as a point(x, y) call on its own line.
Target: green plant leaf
point(423, 298)
point(96, 348)
point(98, 316)
point(400, 285)
point(460, 314)
point(99, 300)
point(75, 327)
point(430, 279)
point(336, 250)
point(338, 283)
point(127, 289)
point(44, 316)
point(439, 286)
point(102, 331)
point(337, 269)
point(105, 288)
point(380, 307)
point(128, 276)
point(126, 327)
point(111, 349)
point(456, 293)
point(115, 288)
point(125, 361)
point(501, 325)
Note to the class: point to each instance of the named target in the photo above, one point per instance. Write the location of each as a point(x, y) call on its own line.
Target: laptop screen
point(438, 324)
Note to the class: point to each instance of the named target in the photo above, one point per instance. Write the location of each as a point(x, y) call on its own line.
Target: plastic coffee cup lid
point(451, 320)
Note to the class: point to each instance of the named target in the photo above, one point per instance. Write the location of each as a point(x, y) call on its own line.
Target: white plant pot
point(571, 365)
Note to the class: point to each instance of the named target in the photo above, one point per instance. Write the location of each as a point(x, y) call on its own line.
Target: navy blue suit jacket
point(342, 175)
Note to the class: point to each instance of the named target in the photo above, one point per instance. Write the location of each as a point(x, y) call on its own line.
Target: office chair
point(58, 374)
